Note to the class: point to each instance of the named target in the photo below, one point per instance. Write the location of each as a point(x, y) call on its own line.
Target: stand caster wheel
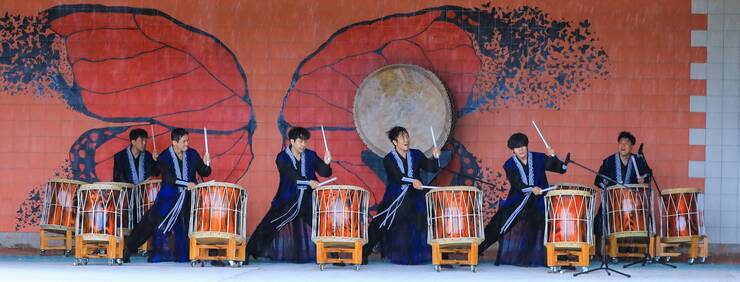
point(584, 268)
point(667, 259)
point(202, 263)
point(77, 262)
point(614, 260)
point(473, 268)
point(143, 253)
point(42, 252)
point(67, 253)
point(691, 261)
point(84, 261)
point(437, 268)
point(656, 259)
point(357, 267)
point(321, 267)
point(232, 263)
point(118, 262)
point(703, 260)
point(192, 263)
point(556, 269)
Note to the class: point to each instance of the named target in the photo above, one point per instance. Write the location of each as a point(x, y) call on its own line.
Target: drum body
point(627, 210)
point(568, 218)
point(454, 215)
point(99, 212)
point(340, 214)
point(144, 196)
point(59, 210)
point(681, 214)
point(127, 204)
point(218, 210)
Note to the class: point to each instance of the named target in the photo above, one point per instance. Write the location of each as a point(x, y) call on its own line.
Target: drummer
point(171, 210)
point(400, 225)
point(285, 232)
point(134, 164)
point(621, 167)
point(520, 220)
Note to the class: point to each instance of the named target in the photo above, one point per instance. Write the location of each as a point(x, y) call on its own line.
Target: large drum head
point(404, 95)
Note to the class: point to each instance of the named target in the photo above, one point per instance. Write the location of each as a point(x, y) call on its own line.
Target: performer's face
point(625, 147)
point(521, 152)
point(182, 144)
point(299, 144)
point(402, 142)
point(139, 144)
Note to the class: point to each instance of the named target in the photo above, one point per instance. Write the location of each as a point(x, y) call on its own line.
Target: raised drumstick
point(205, 136)
point(541, 136)
point(154, 140)
point(326, 145)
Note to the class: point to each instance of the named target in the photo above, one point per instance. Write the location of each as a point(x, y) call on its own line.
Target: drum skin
point(627, 209)
point(682, 217)
point(61, 209)
point(568, 218)
point(217, 208)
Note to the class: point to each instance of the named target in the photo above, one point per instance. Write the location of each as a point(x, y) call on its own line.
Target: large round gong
point(405, 95)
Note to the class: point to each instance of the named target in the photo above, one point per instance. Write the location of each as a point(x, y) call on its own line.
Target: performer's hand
point(155, 155)
point(191, 185)
point(207, 159)
point(436, 152)
point(417, 184)
point(327, 157)
point(313, 184)
point(640, 180)
point(537, 190)
point(551, 152)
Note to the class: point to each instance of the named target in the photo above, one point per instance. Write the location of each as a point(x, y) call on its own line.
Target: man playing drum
point(284, 234)
point(170, 212)
point(135, 164)
point(621, 167)
point(519, 222)
point(400, 225)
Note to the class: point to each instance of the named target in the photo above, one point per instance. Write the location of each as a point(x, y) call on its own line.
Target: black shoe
point(126, 256)
point(364, 260)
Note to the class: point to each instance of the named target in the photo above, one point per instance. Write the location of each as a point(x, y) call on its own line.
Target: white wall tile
point(696, 169)
point(699, 6)
point(729, 186)
point(730, 88)
point(731, 71)
point(715, 71)
point(728, 235)
point(698, 71)
point(730, 153)
point(716, 6)
point(698, 38)
point(713, 169)
point(714, 136)
point(731, 6)
point(731, 138)
point(716, 55)
point(697, 136)
point(732, 22)
point(731, 55)
point(713, 153)
point(713, 186)
point(729, 120)
point(727, 219)
point(698, 104)
point(729, 169)
point(716, 23)
point(715, 87)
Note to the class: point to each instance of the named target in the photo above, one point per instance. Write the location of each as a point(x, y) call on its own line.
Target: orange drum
point(568, 217)
point(144, 196)
point(340, 213)
point(100, 211)
point(454, 215)
point(127, 203)
point(59, 209)
point(218, 210)
point(681, 214)
point(627, 210)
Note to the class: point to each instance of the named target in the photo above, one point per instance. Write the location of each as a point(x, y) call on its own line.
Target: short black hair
point(517, 140)
point(137, 133)
point(299, 132)
point(629, 136)
point(178, 133)
point(395, 132)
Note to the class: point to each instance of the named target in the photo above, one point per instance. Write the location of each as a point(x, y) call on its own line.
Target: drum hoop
point(96, 237)
point(453, 241)
point(340, 187)
point(573, 184)
point(630, 234)
point(569, 245)
point(687, 190)
point(99, 186)
point(123, 185)
point(66, 181)
point(56, 227)
point(340, 239)
point(677, 239)
point(567, 192)
point(212, 184)
point(622, 186)
point(216, 235)
point(455, 188)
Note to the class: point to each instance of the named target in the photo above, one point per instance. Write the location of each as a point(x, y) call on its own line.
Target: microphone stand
point(647, 258)
point(604, 260)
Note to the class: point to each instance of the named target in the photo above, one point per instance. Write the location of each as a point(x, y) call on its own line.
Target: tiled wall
point(721, 71)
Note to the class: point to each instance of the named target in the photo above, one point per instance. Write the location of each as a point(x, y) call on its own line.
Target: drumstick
point(154, 140)
point(429, 187)
point(205, 136)
point(434, 139)
point(540, 133)
point(634, 164)
point(326, 182)
point(326, 146)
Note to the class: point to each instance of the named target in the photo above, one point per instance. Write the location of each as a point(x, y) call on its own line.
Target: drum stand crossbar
point(557, 257)
point(331, 252)
point(698, 248)
point(47, 236)
point(442, 254)
point(230, 249)
point(111, 247)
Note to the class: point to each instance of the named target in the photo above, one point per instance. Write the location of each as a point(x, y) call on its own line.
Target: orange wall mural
point(77, 77)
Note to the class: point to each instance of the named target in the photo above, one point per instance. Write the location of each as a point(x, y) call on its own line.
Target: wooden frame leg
point(694, 247)
point(68, 240)
point(231, 249)
point(193, 249)
point(79, 247)
point(357, 253)
point(473, 254)
point(613, 247)
point(320, 252)
point(585, 256)
point(704, 249)
point(111, 248)
point(42, 240)
point(436, 254)
point(651, 246)
point(551, 258)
